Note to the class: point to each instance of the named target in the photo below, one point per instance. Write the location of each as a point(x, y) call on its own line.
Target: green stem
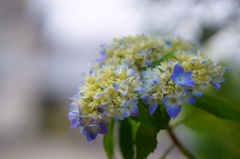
point(167, 152)
point(177, 143)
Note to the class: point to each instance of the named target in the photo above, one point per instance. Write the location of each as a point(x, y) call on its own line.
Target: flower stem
point(177, 143)
point(167, 152)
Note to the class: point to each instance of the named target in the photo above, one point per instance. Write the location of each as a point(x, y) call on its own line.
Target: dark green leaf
point(218, 107)
point(126, 139)
point(146, 141)
point(159, 119)
point(108, 141)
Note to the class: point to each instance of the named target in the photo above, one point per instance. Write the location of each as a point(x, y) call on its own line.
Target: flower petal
point(130, 72)
point(198, 89)
point(118, 115)
point(186, 75)
point(180, 77)
point(173, 111)
point(140, 89)
point(177, 70)
point(153, 107)
point(189, 98)
point(155, 81)
point(102, 129)
point(91, 132)
point(134, 111)
point(165, 100)
point(126, 113)
point(187, 83)
point(74, 123)
point(172, 100)
point(197, 93)
point(148, 100)
point(147, 62)
point(216, 85)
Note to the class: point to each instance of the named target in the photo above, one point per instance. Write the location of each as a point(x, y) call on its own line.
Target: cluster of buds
point(157, 71)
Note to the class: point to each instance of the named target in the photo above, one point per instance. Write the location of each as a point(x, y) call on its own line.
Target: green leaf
point(108, 141)
point(215, 137)
point(218, 107)
point(146, 141)
point(169, 55)
point(126, 139)
point(159, 119)
point(135, 125)
point(165, 57)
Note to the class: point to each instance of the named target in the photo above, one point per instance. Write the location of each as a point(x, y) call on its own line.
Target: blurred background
point(47, 45)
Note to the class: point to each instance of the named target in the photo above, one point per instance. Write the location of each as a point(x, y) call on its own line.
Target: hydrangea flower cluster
point(125, 74)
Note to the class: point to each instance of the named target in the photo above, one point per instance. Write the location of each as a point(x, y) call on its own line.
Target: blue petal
point(72, 107)
point(103, 56)
point(198, 89)
point(155, 81)
point(178, 70)
point(75, 96)
point(216, 85)
point(130, 108)
point(130, 72)
point(126, 113)
point(118, 115)
point(103, 52)
point(100, 109)
point(103, 109)
point(167, 44)
point(134, 111)
point(147, 63)
point(180, 77)
point(91, 72)
point(187, 83)
point(168, 100)
point(115, 86)
point(74, 123)
point(197, 93)
point(152, 108)
point(148, 100)
point(189, 98)
point(132, 101)
point(102, 129)
point(165, 100)
point(91, 132)
point(144, 74)
point(140, 52)
point(174, 78)
point(73, 115)
point(140, 89)
point(173, 111)
point(186, 75)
